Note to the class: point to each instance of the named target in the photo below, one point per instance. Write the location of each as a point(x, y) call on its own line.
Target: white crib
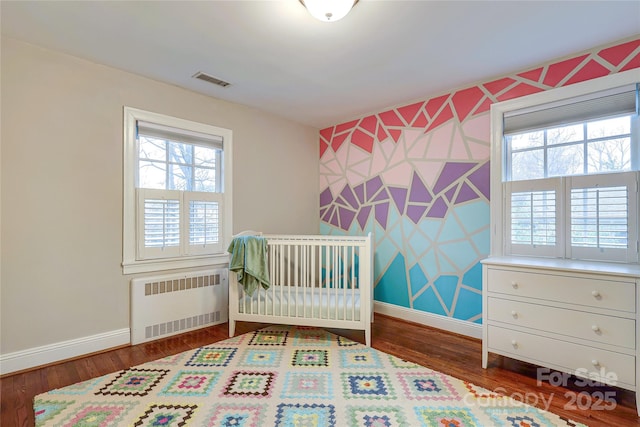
point(324, 281)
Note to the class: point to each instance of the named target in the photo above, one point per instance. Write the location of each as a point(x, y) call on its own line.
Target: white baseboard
point(38, 356)
point(450, 324)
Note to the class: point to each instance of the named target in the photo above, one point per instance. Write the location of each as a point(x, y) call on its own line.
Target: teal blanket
point(249, 261)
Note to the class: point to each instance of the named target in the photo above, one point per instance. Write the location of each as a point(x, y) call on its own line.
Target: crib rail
point(315, 281)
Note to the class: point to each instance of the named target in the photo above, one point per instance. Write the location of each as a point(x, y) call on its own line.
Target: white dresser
point(572, 316)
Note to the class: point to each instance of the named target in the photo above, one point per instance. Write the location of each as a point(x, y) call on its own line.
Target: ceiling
point(280, 59)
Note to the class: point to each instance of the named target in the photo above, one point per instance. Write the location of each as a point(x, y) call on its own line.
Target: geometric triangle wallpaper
point(417, 176)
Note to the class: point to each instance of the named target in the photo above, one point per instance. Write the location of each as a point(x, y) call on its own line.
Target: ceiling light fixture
point(328, 10)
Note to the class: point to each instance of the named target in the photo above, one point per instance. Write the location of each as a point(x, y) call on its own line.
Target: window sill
point(156, 265)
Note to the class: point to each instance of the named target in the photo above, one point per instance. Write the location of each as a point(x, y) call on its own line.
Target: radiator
point(162, 306)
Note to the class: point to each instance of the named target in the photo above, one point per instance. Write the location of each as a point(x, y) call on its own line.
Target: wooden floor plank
point(452, 354)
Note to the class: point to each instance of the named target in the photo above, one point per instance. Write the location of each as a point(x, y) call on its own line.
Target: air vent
point(210, 79)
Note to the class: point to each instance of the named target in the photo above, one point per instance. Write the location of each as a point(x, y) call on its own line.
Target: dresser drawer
point(557, 353)
point(608, 294)
point(580, 324)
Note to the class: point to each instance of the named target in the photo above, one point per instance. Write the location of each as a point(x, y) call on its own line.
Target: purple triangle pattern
point(399, 196)
point(451, 172)
point(458, 182)
point(348, 195)
point(325, 197)
point(466, 193)
point(373, 185)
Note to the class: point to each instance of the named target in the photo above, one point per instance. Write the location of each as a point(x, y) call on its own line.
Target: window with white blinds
point(175, 175)
point(534, 212)
point(602, 219)
point(569, 176)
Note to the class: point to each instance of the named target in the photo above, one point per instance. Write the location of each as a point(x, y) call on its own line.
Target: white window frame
point(500, 234)
point(133, 261)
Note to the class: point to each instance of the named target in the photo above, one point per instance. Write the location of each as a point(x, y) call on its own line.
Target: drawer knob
point(514, 284)
point(596, 329)
point(596, 294)
point(514, 314)
point(514, 343)
point(595, 362)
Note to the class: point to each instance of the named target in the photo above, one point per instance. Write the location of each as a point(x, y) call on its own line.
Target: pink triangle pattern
point(468, 102)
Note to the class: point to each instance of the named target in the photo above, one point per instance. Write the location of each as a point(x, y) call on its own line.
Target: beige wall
point(61, 176)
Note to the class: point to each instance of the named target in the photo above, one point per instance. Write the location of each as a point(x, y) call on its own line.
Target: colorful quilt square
point(310, 358)
point(269, 338)
point(212, 356)
point(46, 409)
point(250, 384)
point(367, 385)
point(314, 415)
point(346, 342)
point(308, 385)
point(133, 382)
point(261, 357)
point(236, 415)
point(519, 416)
point(191, 383)
point(429, 385)
point(166, 415)
point(403, 364)
point(99, 414)
point(449, 416)
point(360, 358)
point(312, 336)
point(376, 416)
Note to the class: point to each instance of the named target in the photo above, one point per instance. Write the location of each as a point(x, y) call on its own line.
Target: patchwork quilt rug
point(283, 376)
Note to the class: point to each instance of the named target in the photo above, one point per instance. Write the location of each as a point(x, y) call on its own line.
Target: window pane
point(561, 135)
point(152, 148)
point(599, 217)
point(533, 218)
point(161, 223)
point(180, 178)
point(204, 156)
point(152, 175)
point(180, 153)
point(526, 140)
point(609, 155)
point(205, 180)
point(527, 165)
point(609, 127)
point(565, 160)
point(204, 222)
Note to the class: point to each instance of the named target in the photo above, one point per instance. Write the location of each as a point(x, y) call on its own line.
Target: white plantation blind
point(204, 219)
point(533, 212)
point(161, 223)
point(602, 219)
point(203, 222)
point(533, 218)
point(599, 217)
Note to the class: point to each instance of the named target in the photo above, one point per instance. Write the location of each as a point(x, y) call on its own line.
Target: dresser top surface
point(557, 264)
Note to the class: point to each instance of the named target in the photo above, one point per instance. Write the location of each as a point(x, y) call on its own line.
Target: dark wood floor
point(452, 354)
